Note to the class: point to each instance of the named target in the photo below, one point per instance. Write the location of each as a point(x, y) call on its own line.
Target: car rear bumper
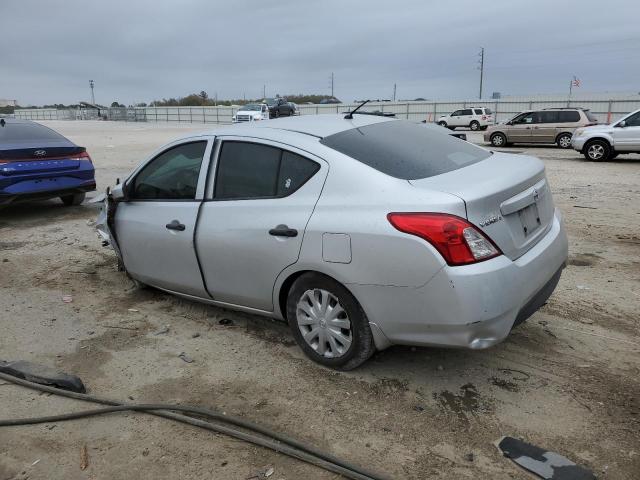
point(473, 306)
point(43, 189)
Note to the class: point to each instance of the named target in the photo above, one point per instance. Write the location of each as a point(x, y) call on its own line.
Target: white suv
point(251, 113)
point(605, 142)
point(476, 118)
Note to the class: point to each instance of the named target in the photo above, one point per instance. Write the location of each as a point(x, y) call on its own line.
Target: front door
point(520, 129)
point(627, 138)
point(252, 225)
point(155, 223)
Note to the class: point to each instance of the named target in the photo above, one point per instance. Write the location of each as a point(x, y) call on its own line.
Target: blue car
point(37, 163)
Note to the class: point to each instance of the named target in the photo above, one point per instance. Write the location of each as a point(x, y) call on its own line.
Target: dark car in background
point(37, 163)
point(279, 107)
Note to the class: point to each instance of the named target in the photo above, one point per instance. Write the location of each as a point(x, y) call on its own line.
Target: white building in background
point(8, 103)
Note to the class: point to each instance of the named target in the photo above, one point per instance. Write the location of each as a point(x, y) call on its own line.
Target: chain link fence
point(605, 110)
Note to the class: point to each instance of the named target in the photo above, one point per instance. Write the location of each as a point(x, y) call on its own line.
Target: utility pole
point(264, 92)
point(481, 62)
point(93, 98)
point(331, 84)
point(394, 92)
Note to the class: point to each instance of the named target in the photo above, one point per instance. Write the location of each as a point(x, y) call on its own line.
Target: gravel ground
point(567, 380)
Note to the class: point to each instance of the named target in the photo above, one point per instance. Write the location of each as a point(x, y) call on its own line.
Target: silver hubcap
point(596, 152)
point(497, 140)
point(324, 324)
point(565, 141)
point(474, 126)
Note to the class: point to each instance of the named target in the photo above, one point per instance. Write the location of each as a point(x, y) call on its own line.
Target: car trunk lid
point(20, 160)
point(506, 196)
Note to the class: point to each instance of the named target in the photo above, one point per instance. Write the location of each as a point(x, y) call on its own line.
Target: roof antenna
point(349, 115)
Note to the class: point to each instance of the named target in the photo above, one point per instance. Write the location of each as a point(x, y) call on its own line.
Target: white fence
point(604, 110)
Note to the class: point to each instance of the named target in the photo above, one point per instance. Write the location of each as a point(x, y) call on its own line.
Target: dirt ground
point(567, 380)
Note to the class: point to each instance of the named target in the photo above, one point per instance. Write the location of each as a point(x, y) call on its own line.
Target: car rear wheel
point(564, 140)
point(498, 140)
point(328, 323)
point(277, 113)
point(475, 126)
point(75, 199)
point(597, 151)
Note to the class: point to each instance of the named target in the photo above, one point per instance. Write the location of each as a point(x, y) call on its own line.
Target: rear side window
point(252, 170)
point(405, 150)
point(466, 112)
point(566, 116)
point(25, 132)
point(548, 116)
point(488, 111)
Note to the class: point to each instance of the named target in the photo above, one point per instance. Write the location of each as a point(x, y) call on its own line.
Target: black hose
point(274, 441)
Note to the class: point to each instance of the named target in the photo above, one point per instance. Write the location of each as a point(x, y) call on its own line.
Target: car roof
point(319, 126)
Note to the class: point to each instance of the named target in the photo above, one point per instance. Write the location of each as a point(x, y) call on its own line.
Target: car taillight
point(80, 156)
point(459, 242)
point(484, 117)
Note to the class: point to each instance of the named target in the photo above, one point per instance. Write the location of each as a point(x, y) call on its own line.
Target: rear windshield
point(590, 116)
point(405, 150)
point(24, 132)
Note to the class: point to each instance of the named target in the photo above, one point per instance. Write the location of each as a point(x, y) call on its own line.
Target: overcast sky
point(141, 50)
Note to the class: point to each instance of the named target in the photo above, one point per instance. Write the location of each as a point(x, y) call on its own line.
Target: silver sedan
point(360, 232)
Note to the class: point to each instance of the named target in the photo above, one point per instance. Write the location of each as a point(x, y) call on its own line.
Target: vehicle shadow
point(43, 212)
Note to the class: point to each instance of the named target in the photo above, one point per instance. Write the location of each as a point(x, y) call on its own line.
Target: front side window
point(527, 118)
point(172, 175)
point(457, 113)
point(633, 120)
point(252, 170)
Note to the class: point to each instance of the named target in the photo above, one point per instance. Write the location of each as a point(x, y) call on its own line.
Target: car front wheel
point(75, 199)
point(328, 323)
point(597, 151)
point(443, 124)
point(564, 140)
point(498, 140)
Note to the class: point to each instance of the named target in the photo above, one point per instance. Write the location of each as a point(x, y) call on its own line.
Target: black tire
point(597, 150)
point(361, 347)
point(474, 126)
point(564, 140)
point(443, 124)
point(277, 113)
point(75, 199)
point(498, 140)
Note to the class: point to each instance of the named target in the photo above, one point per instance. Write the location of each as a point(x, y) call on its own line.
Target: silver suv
point(605, 142)
point(475, 118)
point(551, 125)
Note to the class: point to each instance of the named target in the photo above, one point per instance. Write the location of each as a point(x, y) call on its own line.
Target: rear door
point(545, 130)
point(252, 224)
point(155, 223)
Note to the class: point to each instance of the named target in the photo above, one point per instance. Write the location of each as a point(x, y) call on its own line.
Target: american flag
point(575, 82)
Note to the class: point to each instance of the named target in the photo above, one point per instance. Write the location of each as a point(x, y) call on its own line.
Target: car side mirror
point(622, 124)
point(119, 192)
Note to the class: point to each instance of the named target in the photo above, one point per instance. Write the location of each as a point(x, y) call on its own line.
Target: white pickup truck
point(251, 113)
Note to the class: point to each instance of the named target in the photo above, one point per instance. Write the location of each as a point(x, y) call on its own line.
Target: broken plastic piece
point(545, 464)
point(42, 375)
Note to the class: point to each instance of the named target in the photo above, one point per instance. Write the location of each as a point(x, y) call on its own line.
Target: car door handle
point(283, 231)
point(176, 225)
